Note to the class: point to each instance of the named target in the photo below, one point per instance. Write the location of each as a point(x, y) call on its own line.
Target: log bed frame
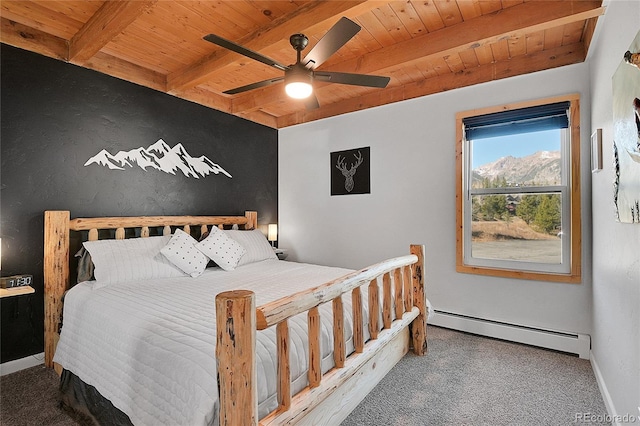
point(329, 397)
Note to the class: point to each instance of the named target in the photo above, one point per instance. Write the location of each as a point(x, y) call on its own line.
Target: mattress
point(149, 346)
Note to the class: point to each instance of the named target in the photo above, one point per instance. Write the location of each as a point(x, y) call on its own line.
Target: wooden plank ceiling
point(425, 46)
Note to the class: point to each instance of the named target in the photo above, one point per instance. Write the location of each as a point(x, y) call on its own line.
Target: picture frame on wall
point(350, 171)
point(596, 151)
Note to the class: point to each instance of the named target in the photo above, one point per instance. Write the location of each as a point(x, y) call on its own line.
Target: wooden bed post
point(252, 217)
point(235, 357)
point(56, 276)
point(419, 325)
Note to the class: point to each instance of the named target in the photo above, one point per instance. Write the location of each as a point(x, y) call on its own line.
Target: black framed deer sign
point(351, 171)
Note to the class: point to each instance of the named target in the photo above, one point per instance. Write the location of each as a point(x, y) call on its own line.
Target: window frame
point(572, 174)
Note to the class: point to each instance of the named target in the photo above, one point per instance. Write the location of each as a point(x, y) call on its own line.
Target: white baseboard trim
point(604, 391)
point(613, 416)
point(21, 364)
point(574, 343)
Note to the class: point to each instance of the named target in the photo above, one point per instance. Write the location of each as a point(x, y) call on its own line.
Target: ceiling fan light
point(297, 82)
point(298, 89)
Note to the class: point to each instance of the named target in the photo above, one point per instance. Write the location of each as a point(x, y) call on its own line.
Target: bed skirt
point(87, 405)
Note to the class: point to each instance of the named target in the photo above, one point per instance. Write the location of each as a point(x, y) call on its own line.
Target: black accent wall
point(55, 116)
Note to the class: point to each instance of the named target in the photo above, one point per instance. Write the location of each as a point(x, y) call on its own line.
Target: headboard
point(57, 235)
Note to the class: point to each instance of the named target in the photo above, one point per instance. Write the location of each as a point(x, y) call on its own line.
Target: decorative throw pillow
point(182, 252)
point(133, 259)
point(255, 243)
point(221, 249)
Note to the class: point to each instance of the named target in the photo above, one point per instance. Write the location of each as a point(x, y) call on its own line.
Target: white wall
point(412, 199)
point(616, 246)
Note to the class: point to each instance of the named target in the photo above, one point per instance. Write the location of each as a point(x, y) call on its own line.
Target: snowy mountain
point(542, 168)
point(159, 156)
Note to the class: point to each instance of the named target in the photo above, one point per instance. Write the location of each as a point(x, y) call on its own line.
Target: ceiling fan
point(298, 77)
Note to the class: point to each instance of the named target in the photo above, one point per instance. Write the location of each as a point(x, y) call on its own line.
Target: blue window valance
point(523, 120)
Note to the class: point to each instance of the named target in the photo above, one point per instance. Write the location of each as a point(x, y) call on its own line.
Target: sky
point(520, 145)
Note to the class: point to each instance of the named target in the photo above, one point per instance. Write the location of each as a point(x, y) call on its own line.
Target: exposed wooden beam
point(256, 99)
point(124, 70)
point(109, 21)
point(560, 56)
point(278, 31)
point(514, 21)
point(208, 98)
point(484, 30)
point(261, 118)
point(34, 40)
point(223, 103)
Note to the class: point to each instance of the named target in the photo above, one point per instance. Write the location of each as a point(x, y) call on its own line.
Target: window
point(518, 190)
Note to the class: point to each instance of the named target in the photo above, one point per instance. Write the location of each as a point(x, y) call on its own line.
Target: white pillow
point(255, 243)
point(182, 252)
point(132, 259)
point(221, 249)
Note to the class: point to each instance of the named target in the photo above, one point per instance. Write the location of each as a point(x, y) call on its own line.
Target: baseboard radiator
point(579, 344)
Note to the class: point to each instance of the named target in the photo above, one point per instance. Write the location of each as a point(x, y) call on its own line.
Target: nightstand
point(21, 330)
point(16, 291)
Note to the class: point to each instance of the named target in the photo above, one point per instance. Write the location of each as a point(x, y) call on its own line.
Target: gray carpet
point(463, 380)
point(472, 380)
point(30, 397)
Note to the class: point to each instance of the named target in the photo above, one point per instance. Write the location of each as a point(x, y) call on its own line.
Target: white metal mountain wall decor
point(159, 156)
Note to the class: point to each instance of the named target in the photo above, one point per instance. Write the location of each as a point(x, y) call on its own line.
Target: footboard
point(238, 319)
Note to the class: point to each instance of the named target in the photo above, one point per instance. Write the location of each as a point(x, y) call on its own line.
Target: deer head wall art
point(350, 172)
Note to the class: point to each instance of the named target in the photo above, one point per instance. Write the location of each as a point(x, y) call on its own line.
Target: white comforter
point(149, 346)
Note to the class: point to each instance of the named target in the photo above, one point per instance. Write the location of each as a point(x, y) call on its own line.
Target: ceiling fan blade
point(353, 79)
point(227, 44)
point(252, 86)
point(311, 102)
point(333, 40)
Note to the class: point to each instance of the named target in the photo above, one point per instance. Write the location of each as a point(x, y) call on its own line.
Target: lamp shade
point(272, 233)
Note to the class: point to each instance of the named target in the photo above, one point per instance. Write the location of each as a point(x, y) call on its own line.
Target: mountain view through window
point(516, 204)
